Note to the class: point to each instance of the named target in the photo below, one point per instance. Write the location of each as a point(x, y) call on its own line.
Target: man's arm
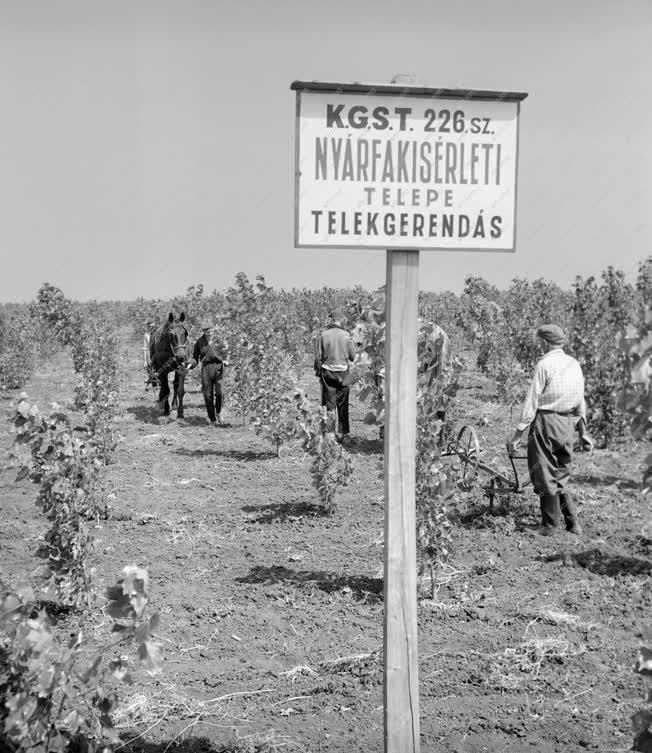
point(222, 351)
point(529, 407)
point(319, 357)
point(350, 349)
point(196, 354)
point(146, 357)
point(582, 430)
point(531, 403)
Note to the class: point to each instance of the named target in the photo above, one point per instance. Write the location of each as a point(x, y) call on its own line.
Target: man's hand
point(585, 438)
point(587, 442)
point(514, 442)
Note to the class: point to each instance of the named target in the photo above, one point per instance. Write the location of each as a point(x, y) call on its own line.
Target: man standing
point(147, 359)
point(554, 409)
point(335, 353)
point(212, 359)
point(434, 366)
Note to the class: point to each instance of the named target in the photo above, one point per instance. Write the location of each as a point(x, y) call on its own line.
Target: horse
point(168, 351)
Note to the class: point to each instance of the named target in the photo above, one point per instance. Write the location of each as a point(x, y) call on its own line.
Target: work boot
point(549, 504)
point(569, 511)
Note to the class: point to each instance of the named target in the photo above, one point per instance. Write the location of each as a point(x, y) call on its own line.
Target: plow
point(466, 447)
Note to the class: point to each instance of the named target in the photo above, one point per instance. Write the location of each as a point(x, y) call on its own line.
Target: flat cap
point(206, 324)
point(552, 334)
point(336, 315)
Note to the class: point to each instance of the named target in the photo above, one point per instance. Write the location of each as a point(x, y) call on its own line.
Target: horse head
point(176, 335)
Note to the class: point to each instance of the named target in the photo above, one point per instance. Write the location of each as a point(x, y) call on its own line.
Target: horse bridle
point(179, 353)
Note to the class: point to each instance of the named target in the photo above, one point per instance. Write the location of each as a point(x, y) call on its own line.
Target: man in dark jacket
point(335, 353)
point(212, 359)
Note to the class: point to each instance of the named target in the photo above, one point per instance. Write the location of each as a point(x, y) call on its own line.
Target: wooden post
point(401, 687)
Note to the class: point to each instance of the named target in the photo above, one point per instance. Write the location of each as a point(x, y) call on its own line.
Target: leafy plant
point(94, 349)
point(331, 466)
point(635, 400)
point(51, 704)
point(642, 720)
point(64, 461)
point(20, 348)
point(600, 313)
point(437, 385)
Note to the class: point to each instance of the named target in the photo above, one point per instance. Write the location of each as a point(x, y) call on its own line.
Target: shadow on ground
point(604, 563)
point(505, 508)
point(194, 421)
point(54, 610)
point(364, 446)
point(244, 455)
point(271, 741)
point(621, 483)
point(362, 587)
point(278, 512)
point(189, 745)
point(145, 413)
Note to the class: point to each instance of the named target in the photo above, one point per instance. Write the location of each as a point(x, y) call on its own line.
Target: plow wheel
point(468, 451)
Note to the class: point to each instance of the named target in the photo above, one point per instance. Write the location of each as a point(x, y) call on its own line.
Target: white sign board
point(405, 171)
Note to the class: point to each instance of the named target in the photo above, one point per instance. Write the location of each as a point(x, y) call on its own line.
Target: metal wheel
point(468, 450)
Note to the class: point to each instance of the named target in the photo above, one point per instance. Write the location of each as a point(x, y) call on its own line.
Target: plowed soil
point(272, 611)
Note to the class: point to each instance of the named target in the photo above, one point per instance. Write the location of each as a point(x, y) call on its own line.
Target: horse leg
point(175, 386)
point(180, 391)
point(164, 394)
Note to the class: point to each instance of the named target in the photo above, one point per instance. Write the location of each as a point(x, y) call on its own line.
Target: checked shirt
point(557, 386)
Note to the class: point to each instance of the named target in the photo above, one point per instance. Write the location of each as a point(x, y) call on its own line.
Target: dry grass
point(299, 670)
point(356, 664)
point(534, 652)
point(149, 709)
point(268, 742)
point(191, 532)
point(552, 616)
point(508, 670)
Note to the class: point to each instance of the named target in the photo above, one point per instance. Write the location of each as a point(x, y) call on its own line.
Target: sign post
point(401, 688)
point(404, 168)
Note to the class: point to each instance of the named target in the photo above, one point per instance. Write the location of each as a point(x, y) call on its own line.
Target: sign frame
point(425, 92)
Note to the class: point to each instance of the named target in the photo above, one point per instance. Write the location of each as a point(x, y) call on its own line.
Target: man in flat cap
point(212, 359)
point(554, 409)
point(335, 353)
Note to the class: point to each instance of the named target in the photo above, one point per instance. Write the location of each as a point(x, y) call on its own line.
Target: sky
point(149, 146)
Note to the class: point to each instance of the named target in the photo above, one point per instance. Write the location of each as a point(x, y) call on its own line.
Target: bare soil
point(272, 612)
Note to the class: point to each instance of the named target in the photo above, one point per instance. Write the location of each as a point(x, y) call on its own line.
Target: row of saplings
point(57, 695)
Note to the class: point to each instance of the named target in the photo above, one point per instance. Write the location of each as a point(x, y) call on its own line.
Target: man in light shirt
point(147, 337)
point(554, 409)
point(335, 353)
point(147, 359)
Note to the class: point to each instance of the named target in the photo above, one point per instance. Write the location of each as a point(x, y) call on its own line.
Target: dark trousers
point(550, 451)
point(335, 396)
point(211, 387)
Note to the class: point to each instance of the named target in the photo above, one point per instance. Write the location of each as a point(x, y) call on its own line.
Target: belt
point(558, 412)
